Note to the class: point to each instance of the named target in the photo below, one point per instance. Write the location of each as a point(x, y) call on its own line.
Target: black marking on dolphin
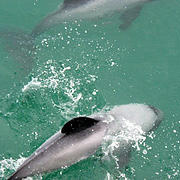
point(69, 4)
point(78, 124)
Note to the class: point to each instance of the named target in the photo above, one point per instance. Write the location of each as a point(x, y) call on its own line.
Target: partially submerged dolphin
point(85, 9)
point(21, 45)
point(82, 136)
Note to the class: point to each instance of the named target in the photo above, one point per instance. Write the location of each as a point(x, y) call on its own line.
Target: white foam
point(137, 114)
point(33, 84)
point(59, 79)
point(9, 165)
point(127, 127)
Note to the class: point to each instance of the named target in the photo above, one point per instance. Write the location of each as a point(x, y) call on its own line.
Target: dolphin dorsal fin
point(78, 124)
point(74, 3)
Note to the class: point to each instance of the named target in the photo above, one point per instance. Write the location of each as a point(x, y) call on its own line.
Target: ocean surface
point(80, 67)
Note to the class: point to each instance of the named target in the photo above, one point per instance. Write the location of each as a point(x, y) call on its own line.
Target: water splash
point(9, 165)
point(72, 93)
point(121, 138)
point(33, 84)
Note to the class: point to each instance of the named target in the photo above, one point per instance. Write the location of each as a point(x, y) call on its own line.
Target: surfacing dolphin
point(85, 9)
point(82, 136)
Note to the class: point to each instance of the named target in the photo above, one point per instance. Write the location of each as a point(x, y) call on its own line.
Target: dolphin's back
point(54, 18)
point(74, 143)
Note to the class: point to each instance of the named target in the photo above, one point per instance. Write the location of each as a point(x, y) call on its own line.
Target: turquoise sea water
point(78, 68)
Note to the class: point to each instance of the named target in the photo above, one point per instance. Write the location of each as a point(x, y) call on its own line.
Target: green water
point(80, 67)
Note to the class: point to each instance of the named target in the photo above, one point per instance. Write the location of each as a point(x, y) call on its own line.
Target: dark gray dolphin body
point(82, 136)
point(85, 9)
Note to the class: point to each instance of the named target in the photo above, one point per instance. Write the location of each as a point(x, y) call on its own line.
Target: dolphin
point(88, 9)
point(21, 46)
point(80, 138)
